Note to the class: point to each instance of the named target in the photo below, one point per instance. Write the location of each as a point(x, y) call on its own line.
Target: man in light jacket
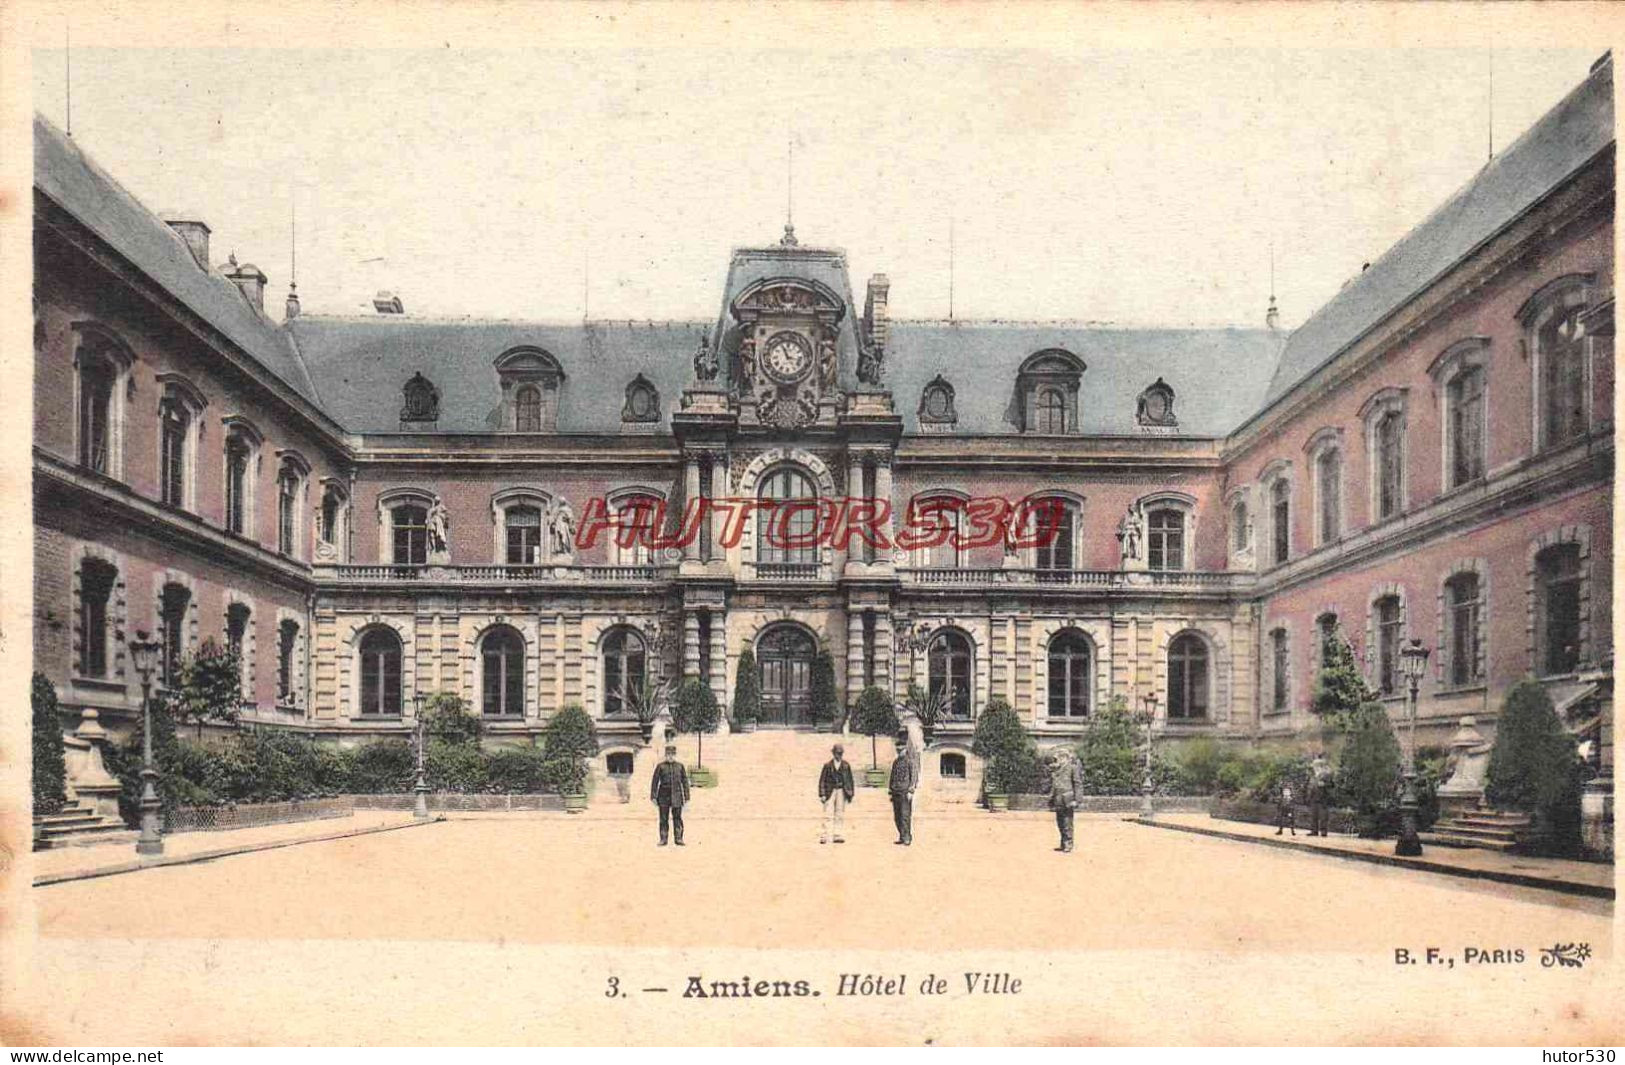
point(905, 777)
point(1065, 793)
point(835, 790)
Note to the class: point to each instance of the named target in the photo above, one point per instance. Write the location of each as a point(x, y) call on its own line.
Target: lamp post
point(1147, 810)
point(420, 730)
point(144, 656)
point(1413, 662)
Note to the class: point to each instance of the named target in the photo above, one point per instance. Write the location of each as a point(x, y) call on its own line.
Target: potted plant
point(1009, 753)
point(695, 710)
point(825, 702)
point(747, 693)
point(646, 701)
point(873, 716)
point(568, 741)
point(929, 707)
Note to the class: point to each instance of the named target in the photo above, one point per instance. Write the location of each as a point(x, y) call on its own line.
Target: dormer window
point(642, 402)
point(530, 379)
point(936, 411)
point(1047, 387)
point(1156, 406)
point(422, 400)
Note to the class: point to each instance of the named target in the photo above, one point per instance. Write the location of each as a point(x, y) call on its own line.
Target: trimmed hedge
point(50, 765)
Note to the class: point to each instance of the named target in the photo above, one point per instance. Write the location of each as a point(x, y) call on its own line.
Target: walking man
point(668, 789)
point(1065, 792)
point(835, 790)
point(1320, 786)
point(905, 777)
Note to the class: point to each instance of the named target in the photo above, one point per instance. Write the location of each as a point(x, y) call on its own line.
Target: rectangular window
point(1465, 603)
point(1562, 354)
point(1466, 408)
point(1165, 549)
point(1278, 653)
point(1054, 551)
point(1558, 574)
point(95, 403)
point(1330, 468)
point(1390, 626)
point(411, 535)
point(286, 511)
point(236, 487)
point(1281, 526)
point(1390, 464)
point(287, 641)
point(524, 536)
point(172, 633)
point(172, 476)
point(95, 590)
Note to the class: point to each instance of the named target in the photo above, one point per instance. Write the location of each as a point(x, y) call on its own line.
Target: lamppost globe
point(144, 655)
point(1413, 661)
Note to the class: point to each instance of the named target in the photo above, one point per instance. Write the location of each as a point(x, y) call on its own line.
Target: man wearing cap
point(668, 789)
point(835, 790)
point(905, 777)
point(1065, 792)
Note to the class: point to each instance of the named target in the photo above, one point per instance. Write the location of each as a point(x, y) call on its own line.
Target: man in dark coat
point(835, 790)
point(905, 777)
point(668, 789)
point(1286, 812)
point(1320, 786)
point(1065, 792)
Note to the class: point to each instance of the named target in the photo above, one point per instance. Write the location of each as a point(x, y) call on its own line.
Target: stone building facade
point(376, 507)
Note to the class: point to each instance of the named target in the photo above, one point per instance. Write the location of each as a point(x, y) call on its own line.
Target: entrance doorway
point(785, 655)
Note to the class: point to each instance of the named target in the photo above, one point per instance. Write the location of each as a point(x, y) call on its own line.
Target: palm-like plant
point(646, 701)
point(929, 706)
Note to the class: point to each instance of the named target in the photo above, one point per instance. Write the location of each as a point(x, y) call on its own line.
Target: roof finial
point(1272, 317)
point(789, 240)
point(67, 71)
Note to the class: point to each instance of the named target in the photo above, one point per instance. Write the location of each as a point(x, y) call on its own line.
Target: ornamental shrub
point(455, 767)
point(449, 720)
point(1199, 762)
point(1110, 751)
point(875, 715)
point(1368, 767)
point(383, 767)
point(1010, 753)
point(1535, 767)
point(565, 776)
point(569, 740)
point(50, 766)
point(747, 689)
point(516, 770)
point(825, 701)
point(695, 710)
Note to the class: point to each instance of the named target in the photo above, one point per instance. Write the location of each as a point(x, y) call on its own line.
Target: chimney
point(195, 233)
point(874, 311)
point(249, 281)
point(388, 303)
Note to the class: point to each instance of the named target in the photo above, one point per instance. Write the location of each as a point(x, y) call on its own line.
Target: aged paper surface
point(512, 927)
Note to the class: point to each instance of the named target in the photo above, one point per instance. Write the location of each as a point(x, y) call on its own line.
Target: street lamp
point(1413, 662)
point(1147, 810)
point(420, 730)
point(144, 656)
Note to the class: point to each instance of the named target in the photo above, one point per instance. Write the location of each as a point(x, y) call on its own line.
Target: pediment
point(787, 295)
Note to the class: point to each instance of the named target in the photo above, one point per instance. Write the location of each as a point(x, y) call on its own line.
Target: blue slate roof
point(1563, 140)
point(73, 181)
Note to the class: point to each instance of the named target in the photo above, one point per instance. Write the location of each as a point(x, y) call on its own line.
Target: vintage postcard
point(809, 524)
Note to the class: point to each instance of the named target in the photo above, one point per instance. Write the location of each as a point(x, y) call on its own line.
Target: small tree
point(568, 741)
point(1368, 765)
point(447, 718)
point(50, 767)
point(1535, 765)
point(695, 710)
point(1340, 689)
point(1009, 752)
point(747, 690)
point(826, 703)
point(873, 715)
point(1108, 753)
point(209, 688)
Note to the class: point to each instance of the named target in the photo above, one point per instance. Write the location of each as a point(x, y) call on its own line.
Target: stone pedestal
point(1468, 762)
point(88, 780)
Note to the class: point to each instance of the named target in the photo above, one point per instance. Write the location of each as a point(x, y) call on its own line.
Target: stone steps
point(1480, 827)
point(79, 826)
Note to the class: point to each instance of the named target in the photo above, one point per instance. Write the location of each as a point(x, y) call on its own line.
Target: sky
point(1137, 187)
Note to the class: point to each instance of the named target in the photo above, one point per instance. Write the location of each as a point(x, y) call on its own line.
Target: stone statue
point(705, 361)
point(1131, 532)
point(747, 364)
point(562, 526)
point(869, 366)
point(438, 532)
point(826, 361)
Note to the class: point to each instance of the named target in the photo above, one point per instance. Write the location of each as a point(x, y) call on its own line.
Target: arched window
point(1390, 622)
point(944, 516)
point(1464, 426)
point(173, 603)
point(1560, 348)
point(97, 376)
point(287, 646)
point(238, 616)
point(502, 671)
point(523, 524)
point(1069, 662)
point(175, 432)
point(1329, 494)
point(527, 409)
point(1187, 678)
point(288, 489)
point(1464, 604)
point(380, 655)
point(1281, 520)
point(1280, 693)
point(410, 525)
point(949, 671)
point(788, 518)
point(637, 521)
point(96, 580)
point(1557, 609)
point(1388, 463)
point(1165, 543)
point(1050, 415)
point(625, 664)
point(1240, 533)
point(1055, 524)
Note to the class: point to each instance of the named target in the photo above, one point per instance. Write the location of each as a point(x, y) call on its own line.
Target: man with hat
point(835, 790)
point(1065, 792)
point(905, 777)
point(668, 789)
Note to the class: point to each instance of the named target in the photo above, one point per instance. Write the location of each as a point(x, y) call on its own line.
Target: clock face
point(786, 357)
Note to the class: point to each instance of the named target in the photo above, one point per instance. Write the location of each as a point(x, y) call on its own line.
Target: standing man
point(905, 777)
point(668, 789)
point(1286, 813)
point(835, 790)
point(1320, 786)
point(1065, 792)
